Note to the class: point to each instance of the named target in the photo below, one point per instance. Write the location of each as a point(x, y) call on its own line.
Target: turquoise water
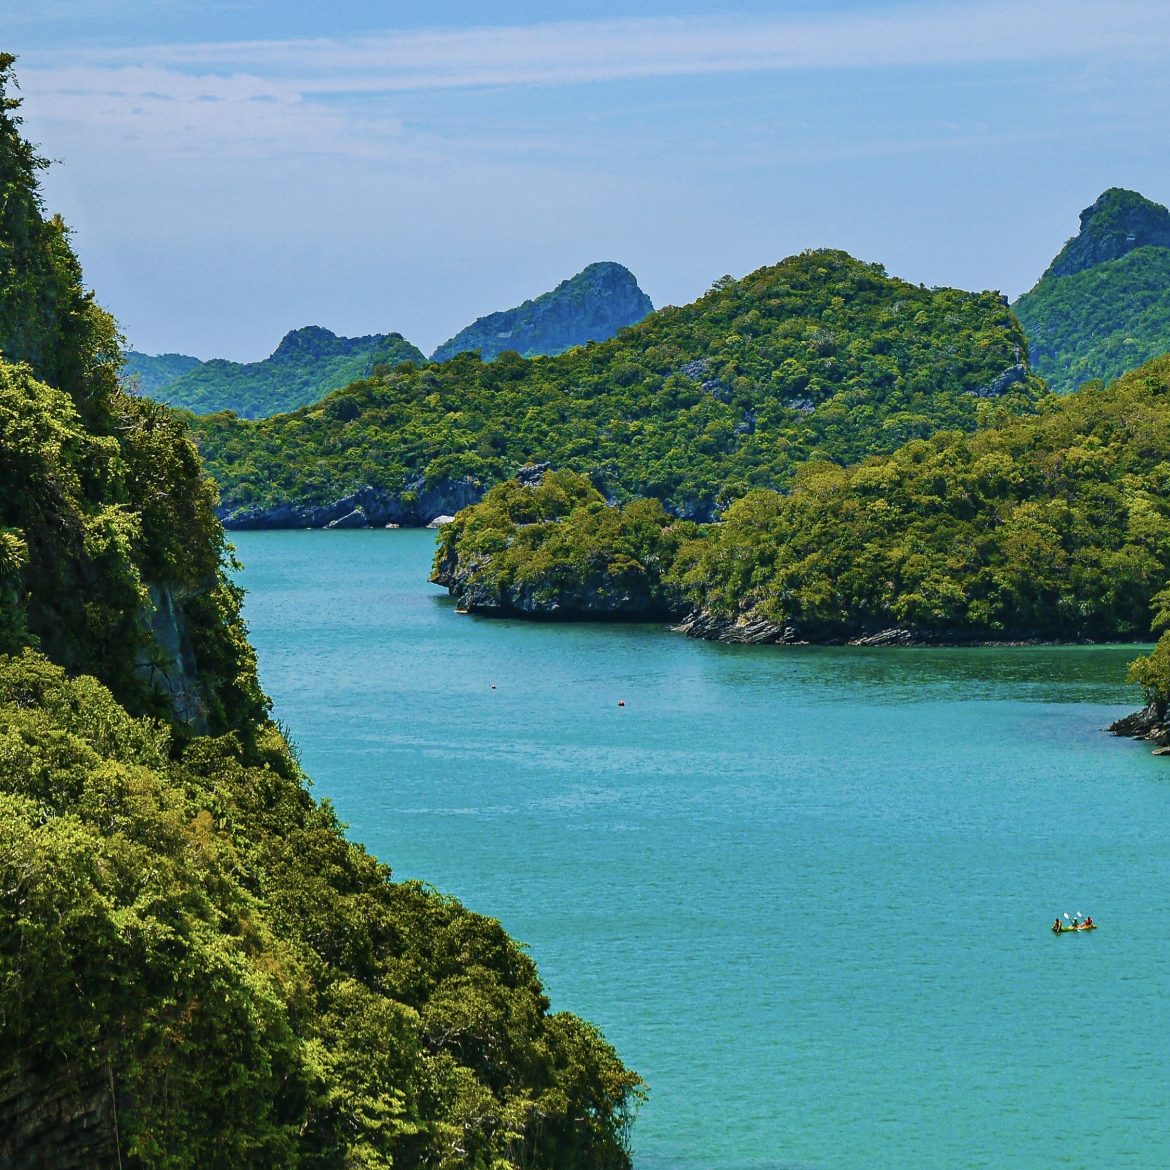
point(805, 892)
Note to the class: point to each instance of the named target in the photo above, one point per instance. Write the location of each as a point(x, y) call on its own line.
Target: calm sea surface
point(805, 892)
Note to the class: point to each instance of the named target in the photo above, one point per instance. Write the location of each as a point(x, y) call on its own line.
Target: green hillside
point(307, 365)
point(591, 306)
point(820, 356)
point(1054, 526)
point(148, 374)
point(1103, 305)
point(197, 968)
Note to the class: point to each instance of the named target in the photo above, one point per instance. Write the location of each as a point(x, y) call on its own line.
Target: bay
point(804, 891)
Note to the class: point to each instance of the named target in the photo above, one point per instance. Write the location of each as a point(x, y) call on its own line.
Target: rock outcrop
point(1118, 222)
point(1102, 307)
point(168, 664)
point(56, 1123)
point(369, 507)
point(748, 629)
point(591, 306)
point(1149, 724)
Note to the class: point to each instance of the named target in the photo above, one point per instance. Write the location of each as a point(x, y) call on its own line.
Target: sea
point(806, 892)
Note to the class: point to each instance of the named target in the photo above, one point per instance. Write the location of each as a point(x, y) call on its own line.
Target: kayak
point(1072, 929)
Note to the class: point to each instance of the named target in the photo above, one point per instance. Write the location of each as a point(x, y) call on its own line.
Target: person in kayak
point(1088, 922)
point(1056, 927)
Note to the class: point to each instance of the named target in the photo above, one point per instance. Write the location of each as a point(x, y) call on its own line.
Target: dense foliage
point(307, 365)
point(1101, 322)
point(101, 496)
point(1053, 526)
point(253, 987)
point(197, 969)
point(591, 306)
point(552, 547)
point(818, 356)
point(147, 374)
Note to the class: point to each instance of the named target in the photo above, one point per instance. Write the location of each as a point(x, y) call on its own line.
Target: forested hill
point(819, 356)
point(1052, 526)
point(148, 374)
point(307, 365)
point(1103, 305)
point(197, 968)
point(591, 306)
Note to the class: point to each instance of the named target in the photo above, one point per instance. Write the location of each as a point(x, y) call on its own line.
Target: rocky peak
point(309, 341)
point(591, 306)
point(1117, 223)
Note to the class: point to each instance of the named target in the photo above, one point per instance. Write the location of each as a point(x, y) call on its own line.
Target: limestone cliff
point(591, 306)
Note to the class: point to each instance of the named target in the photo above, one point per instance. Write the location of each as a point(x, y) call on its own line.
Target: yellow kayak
point(1073, 929)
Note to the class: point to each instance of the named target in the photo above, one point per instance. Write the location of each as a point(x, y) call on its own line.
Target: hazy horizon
point(236, 170)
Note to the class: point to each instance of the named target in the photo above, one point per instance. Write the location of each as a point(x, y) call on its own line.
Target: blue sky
point(236, 169)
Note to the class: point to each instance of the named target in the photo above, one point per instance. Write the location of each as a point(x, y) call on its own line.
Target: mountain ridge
point(590, 306)
point(306, 364)
point(1102, 307)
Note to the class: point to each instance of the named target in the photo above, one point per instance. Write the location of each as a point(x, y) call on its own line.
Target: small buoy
point(493, 686)
point(621, 702)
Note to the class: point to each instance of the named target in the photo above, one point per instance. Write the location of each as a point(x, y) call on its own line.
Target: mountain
point(306, 365)
point(591, 306)
point(197, 967)
point(819, 356)
point(1103, 305)
point(146, 374)
point(1051, 526)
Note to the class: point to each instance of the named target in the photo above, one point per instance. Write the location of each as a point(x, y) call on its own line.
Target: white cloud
point(266, 97)
point(583, 51)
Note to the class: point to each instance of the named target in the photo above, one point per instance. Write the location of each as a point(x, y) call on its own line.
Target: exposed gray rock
point(1115, 224)
point(413, 507)
point(591, 306)
point(697, 370)
point(750, 629)
point(892, 637)
point(1149, 724)
point(62, 1118)
point(439, 521)
point(1012, 376)
point(532, 474)
point(355, 519)
point(168, 663)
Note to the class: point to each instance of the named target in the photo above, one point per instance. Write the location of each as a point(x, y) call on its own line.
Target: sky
point(233, 169)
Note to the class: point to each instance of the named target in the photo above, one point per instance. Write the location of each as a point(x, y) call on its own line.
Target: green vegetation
point(1054, 526)
point(820, 356)
point(1103, 306)
point(552, 547)
point(194, 931)
point(197, 969)
point(591, 306)
point(148, 375)
point(307, 365)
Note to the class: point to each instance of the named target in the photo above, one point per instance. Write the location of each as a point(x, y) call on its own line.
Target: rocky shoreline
point(415, 506)
point(1149, 724)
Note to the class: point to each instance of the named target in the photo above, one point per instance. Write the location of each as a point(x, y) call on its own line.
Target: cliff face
point(57, 1124)
point(369, 507)
point(1118, 222)
point(1103, 306)
point(591, 306)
